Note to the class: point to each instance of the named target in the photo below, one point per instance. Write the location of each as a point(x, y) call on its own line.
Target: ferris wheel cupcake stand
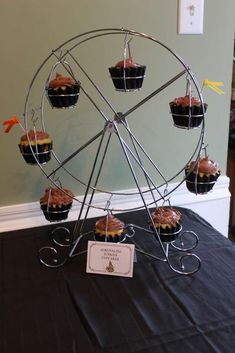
point(115, 126)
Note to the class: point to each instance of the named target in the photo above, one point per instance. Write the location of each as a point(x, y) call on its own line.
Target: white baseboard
point(214, 207)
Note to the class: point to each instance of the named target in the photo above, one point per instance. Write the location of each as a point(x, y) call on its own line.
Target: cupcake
point(40, 143)
point(187, 113)
point(109, 228)
point(127, 75)
point(201, 175)
point(63, 92)
point(56, 204)
point(167, 221)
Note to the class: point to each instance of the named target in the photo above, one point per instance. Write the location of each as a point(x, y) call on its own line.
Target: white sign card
point(113, 259)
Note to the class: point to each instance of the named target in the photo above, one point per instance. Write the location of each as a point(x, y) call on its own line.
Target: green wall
point(30, 30)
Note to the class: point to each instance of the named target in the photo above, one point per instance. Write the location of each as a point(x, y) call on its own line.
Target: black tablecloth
point(66, 310)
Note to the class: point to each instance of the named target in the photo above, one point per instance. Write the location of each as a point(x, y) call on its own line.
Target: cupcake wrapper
point(109, 238)
point(181, 116)
point(60, 98)
point(42, 153)
point(128, 79)
point(56, 214)
point(200, 185)
point(197, 188)
point(168, 234)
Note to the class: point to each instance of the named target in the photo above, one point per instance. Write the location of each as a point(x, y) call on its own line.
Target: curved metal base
point(186, 264)
point(61, 236)
point(49, 257)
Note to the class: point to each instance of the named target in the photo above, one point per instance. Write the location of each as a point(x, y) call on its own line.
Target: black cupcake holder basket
point(36, 154)
point(57, 214)
point(61, 99)
point(187, 121)
point(127, 79)
point(168, 234)
point(184, 119)
point(126, 233)
point(201, 188)
point(200, 185)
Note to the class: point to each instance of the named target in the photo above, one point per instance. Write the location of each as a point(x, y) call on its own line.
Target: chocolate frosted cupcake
point(127, 75)
point(63, 92)
point(109, 228)
point(41, 145)
point(56, 204)
point(187, 113)
point(201, 175)
point(167, 221)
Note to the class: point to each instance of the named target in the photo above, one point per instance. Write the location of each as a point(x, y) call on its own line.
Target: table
point(66, 310)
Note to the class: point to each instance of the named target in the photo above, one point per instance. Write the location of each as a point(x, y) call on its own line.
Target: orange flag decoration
point(11, 123)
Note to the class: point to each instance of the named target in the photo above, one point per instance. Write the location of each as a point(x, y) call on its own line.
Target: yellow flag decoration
point(214, 85)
